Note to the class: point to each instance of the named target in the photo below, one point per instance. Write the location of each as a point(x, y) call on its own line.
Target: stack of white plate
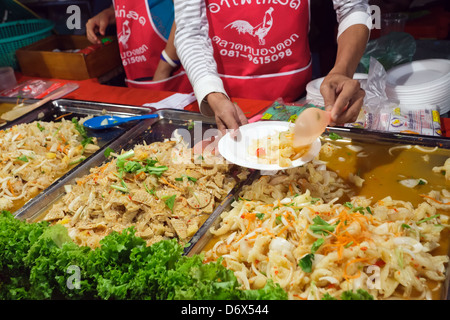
point(313, 88)
point(421, 83)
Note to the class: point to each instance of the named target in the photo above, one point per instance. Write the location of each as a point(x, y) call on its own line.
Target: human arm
point(343, 95)
point(195, 51)
point(99, 23)
point(164, 69)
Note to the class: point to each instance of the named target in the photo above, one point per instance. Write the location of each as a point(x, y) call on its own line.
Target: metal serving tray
point(77, 109)
point(150, 130)
point(203, 236)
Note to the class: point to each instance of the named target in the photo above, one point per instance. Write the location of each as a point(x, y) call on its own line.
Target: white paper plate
point(237, 150)
point(421, 73)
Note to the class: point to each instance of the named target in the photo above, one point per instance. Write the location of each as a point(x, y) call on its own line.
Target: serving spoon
point(108, 121)
point(310, 124)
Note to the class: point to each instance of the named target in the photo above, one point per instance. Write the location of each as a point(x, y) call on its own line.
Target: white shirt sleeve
point(352, 12)
point(195, 50)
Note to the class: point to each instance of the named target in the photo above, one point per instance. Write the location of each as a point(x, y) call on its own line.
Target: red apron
point(261, 47)
point(140, 46)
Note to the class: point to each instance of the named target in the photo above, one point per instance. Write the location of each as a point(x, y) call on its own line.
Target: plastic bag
point(32, 89)
point(390, 50)
point(376, 98)
point(380, 113)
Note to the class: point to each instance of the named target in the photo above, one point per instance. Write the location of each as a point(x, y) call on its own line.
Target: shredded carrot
point(163, 180)
point(11, 189)
point(435, 200)
point(63, 139)
point(357, 275)
point(302, 235)
point(283, 230)
point(269, 233)
point(103, 168)
point(62, 116)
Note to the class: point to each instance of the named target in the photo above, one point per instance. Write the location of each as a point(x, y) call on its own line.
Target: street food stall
point(146, 209)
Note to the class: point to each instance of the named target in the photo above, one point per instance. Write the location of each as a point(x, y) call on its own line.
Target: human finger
point(328, 92)
point(231, 121)
point(241, 115)
point(353, 110)
point(91, 29)
point(103, 24)
point(350, 89)
point(220, 125)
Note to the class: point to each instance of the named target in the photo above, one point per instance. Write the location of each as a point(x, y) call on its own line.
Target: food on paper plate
point(277, 149)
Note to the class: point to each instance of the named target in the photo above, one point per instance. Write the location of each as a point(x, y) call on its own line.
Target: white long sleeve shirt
point(195, 50)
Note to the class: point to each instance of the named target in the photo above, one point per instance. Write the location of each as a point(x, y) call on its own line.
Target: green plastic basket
point(18, 34)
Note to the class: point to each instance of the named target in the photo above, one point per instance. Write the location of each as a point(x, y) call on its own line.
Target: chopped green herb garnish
point(321, 226)
point(132, 166)
point(334, 136)
point(86, 139)
point(40, 127)
point(260, 216)
point(108, 152)
point(316, 245)
point(278, 219)
point(188, 177)
point(77, 161)
point(152, 192)
point(170, 201)
point(306, 262)
point(428, 219)
point(357, 209)
point(360, 294)
point(123, 189)
point(348, 244)
point(23, 158)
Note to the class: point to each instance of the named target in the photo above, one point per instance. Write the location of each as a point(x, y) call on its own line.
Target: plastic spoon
point(103, 122)
point(310, 124)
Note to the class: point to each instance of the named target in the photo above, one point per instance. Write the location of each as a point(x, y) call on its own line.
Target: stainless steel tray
point(76, 109)
point(203, 236)
point(150, 130)
point(364, 135)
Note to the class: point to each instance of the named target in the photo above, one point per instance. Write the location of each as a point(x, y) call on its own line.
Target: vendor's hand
point(98, 24)
point(228, 115)
point(343, 96)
